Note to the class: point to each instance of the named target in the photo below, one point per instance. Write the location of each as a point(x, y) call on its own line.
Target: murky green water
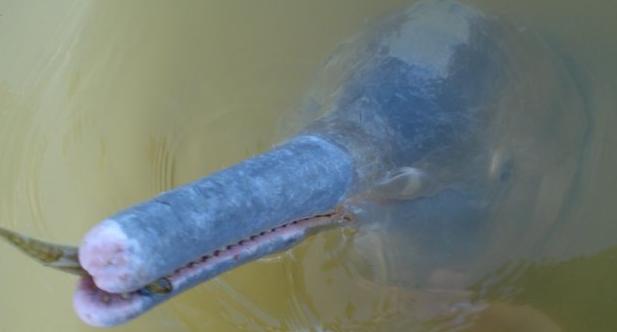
point(103, 104)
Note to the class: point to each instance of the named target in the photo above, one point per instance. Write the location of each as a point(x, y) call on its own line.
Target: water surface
point(103, 104)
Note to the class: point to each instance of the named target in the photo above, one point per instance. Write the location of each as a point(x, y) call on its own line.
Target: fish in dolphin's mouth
point(102, 308)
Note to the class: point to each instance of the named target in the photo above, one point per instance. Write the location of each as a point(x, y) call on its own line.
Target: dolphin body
point(419, 113)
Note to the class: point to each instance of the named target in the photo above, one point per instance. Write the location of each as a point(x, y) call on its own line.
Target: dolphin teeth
point(159, 286)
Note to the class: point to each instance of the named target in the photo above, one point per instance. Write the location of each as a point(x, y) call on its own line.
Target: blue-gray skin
point(422, 92)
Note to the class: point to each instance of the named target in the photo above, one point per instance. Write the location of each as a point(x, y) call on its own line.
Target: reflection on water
point(105, 104)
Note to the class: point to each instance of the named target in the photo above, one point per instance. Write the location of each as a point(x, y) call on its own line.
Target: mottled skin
point(434, 116)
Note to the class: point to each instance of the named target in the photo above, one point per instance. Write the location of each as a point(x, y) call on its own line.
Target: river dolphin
point(437, 113)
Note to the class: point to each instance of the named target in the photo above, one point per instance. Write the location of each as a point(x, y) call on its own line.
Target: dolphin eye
point(501, 166)
point(506, 170)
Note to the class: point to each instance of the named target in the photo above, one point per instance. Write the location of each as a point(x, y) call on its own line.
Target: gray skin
point(437, 116)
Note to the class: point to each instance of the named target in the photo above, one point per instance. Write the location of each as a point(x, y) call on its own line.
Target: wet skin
point(423, 121)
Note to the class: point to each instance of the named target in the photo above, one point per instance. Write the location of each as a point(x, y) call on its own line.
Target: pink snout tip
point(111, 258)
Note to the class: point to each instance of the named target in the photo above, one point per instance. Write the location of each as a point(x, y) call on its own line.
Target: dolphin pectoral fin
point(57, 256)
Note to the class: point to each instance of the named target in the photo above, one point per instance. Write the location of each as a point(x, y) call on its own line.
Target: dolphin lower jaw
point(100, 308)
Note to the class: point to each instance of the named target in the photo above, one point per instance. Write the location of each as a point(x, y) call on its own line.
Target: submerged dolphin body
point(436, 112)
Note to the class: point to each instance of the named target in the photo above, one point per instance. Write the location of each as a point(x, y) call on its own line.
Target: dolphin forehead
point(430, 34)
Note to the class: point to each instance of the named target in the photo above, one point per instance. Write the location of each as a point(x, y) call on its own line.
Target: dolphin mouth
point(102, 308)
point(156, 249)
